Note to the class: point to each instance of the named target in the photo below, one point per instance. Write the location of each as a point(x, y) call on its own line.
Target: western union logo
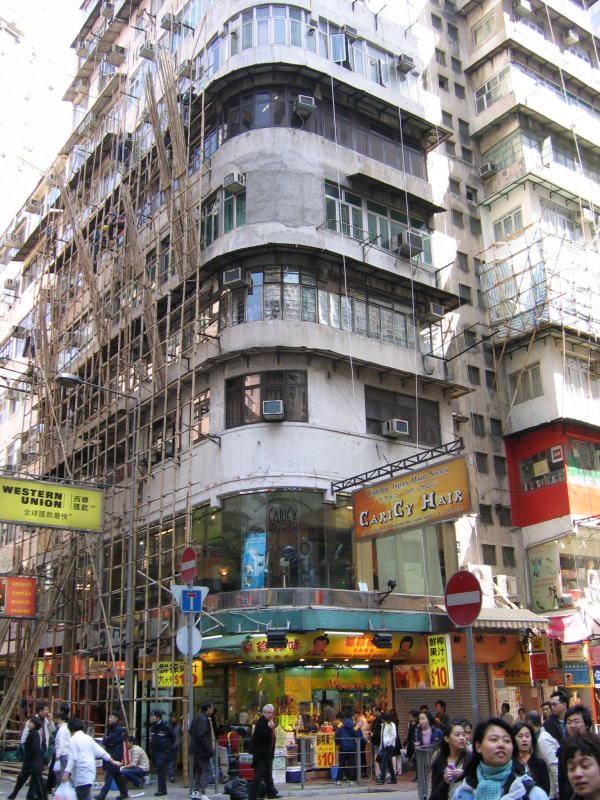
point(50, 505)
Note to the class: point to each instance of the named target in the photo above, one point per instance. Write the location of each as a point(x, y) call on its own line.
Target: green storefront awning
point(227, 644)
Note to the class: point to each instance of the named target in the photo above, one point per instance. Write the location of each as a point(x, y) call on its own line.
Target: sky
point(34, 75)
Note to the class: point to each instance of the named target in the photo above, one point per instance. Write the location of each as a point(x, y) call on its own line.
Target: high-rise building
point(287, 253)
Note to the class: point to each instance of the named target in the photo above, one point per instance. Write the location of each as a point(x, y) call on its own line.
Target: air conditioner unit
point(235, 278)
point(304, 105)
point(82, 49)
point(234, 182)
point(407, 243)
point(10, 284)
point(273, 410)
point(487, 170)
point(507, 584)
point(107, 10)
point(405, 63)
point(116, 55)
point(349, 31)
point(571, 37)
point(33, 206)
point(395, 428)
point(185, 69)
point(170, 22)
point(82, 86)
point(434, 313)
point(147, 51)
point(523, 6)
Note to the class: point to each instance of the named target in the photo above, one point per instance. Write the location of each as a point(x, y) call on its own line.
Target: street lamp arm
point(68, 380)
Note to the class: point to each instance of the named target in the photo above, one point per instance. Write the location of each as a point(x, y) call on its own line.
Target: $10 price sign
point(440, 661)
point(325, 751)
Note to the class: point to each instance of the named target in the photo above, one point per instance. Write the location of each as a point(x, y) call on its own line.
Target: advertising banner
point(440, 661)
point(50, 505)
point(413, 500)
point(17, 597)
point(170, 674)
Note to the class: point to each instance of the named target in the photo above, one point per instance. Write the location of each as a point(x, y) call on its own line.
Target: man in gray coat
point(202, 748)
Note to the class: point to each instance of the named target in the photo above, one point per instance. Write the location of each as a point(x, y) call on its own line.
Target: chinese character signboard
point(440, 662)
point(517, 670)
point(539, 666)
point(414, 500)
point(17, 597)
point(171, 674)
point(50, 505)
point(325, 751)
point(577, 673)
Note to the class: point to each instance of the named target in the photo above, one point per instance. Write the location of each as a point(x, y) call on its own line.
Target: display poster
point(517, 670)
point(412, 676)
point(539, 666)
point(577, 673)
point(413, 500)
point(254, 560)
point(544, 574)
point(50, 505)
point(440, 661)
point(17, 597)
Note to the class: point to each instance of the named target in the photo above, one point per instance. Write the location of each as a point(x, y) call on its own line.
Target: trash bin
point(423, 760)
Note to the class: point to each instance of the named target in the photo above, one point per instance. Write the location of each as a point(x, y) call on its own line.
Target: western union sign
point(50, 505)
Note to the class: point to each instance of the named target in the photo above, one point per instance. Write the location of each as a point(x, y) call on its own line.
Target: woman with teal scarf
point(493, 772)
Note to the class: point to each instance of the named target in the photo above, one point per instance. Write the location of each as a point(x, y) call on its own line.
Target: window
point(470, 339)
point(561, 222)
point(440, 57)
point(505, 516)
point(234, 210)
point(478, 424)
point(467, 154)
point(488, 552)
point(464, 131)
point(484, 28)
point(526, 384)
point(495, 427)
point(456, 64)
point(507, 225)
point(481, 461)
point(508, 556)
point(474, 375)
point(463, 261)
point(464, 292)
point(452, 32)
point(458, 218)
point(454, 186)
point(480, 297)
point(201, 416)
point(513, 148)
point(474, 225)
point(460, 91)
point(485, 514)
point(581, 378)
point(443, 82)
point(491, 91)
point(382, 405)
point(436, 22)
point(209, 226)
point(490, 379)
point(166, 267)
point(471, 194)
point(245, 393)
point(447, 119)
point(450, 148)
point(500, 466)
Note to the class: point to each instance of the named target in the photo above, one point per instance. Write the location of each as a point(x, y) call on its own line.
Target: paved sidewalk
point(312, 788)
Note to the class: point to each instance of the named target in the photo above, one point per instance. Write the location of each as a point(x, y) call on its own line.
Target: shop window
point(423, 416)
point(488, 552)
point(485, 514)
point(526, 384)
point(481, 461)
point(543, 468)
point(411, 559)
point(508, 557)
point(478, 424)
point(245, 394)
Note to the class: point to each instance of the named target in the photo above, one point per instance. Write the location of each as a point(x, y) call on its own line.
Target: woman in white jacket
point(81, 763)
point(388, 743)
point(492, 772)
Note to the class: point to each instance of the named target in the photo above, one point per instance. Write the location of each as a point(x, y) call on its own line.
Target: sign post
point(188, 573)
point(463, 598)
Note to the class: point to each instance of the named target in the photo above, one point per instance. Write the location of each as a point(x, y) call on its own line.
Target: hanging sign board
point(50, 505)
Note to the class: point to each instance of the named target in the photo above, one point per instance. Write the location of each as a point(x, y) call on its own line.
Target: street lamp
point(69, 380)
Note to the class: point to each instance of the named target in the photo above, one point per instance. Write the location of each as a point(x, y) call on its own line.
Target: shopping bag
point(65, 791)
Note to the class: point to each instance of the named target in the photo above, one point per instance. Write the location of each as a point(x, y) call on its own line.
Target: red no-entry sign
point(463, 598)
point(188, 565)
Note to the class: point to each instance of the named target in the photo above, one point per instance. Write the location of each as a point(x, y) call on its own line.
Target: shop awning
point(224, 643)
point(573, 626)
point(511, 619)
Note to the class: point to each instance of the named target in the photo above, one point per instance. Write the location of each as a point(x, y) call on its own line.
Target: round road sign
point(181, 640)
point(463, 598)
point(188, 565)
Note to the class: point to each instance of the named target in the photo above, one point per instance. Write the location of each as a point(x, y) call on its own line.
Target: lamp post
point(69, 380)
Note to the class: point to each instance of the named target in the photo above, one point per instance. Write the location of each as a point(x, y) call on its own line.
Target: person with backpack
point(345, 738)
point(492, 772)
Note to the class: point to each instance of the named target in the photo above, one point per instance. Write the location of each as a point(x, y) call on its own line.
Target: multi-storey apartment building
point(252, 274)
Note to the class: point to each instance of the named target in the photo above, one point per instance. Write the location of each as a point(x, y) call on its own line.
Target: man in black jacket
point(262, 747)
point(202, 748)
point(555, 724)
point(113, 743)
point(162, 738)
